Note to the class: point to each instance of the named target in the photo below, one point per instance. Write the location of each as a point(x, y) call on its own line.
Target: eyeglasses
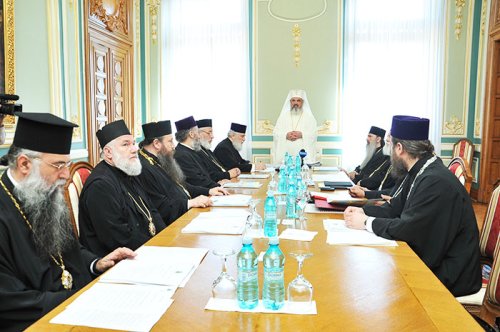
point(59, 166)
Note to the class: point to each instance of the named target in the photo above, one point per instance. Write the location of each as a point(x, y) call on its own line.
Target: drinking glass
point(254, 222)
point(299, 289)
point(224, 287)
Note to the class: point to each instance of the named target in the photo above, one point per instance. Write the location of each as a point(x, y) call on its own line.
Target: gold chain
point(214, 160)
point(154, 162)
point(146, 213)
point(66, 277)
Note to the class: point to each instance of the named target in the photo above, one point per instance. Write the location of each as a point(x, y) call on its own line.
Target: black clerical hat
point(43, 132)
point(185, 124)
point(377, 131)
point(410, 128)
point(239, 128)
point(204, 123)
point(111, 131)
point(157, 129)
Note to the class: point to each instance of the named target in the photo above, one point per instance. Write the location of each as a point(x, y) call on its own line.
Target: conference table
point(356, 288)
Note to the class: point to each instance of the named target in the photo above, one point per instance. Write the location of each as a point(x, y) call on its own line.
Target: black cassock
point(108, 217)
point(215, 168)
point(386, 187)
point(169, 197)
point(30, 282)
point(230, 157)
point(438, 222)
point(193, 167)
point(374, 171)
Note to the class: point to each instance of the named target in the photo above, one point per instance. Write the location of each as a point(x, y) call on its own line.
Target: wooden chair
point(464, 149)
point(491, 305)
point(79, 172)
point(458, 167)
point(487, 245)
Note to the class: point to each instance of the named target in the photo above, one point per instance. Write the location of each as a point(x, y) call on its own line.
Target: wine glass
point(299, 289)
point(254, 224)
point(224, 287)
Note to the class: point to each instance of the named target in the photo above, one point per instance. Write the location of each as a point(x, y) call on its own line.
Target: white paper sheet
point(171, 266)
point(214, 223)
point(269, 169)
point(118, 306)
point(339, 234)
point(254, 176)
point(297, 234)
point(231, 200)
point(325, 169)
point(295, 308)
point(243, 184)
point(335, 177)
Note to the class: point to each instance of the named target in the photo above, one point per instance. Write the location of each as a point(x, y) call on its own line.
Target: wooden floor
point(480, 210)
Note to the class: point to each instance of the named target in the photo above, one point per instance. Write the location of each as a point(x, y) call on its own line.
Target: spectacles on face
point(59, 166)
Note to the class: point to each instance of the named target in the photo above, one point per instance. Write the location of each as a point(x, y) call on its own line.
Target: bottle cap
point(274, 240)
point(246, 240)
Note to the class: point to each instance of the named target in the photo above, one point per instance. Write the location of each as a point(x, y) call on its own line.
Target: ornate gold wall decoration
point(113, 15)
point(296, 33)
point(9, 62)
point(477, 127)
point(153, 14)
point(326, 128)
point(77, 131)
point(453, 127)
point(484, 7)
point(265, 127)
point(459, 5)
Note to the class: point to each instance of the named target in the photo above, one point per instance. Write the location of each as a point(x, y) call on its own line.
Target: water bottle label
point(246, 276)
point(274, 276)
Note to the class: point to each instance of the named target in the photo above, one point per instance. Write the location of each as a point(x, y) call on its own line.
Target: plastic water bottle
point(273, 292)
point(270, 222)
point(248, 276)
point(298, 164)
point(282, 179)
point(291, 201)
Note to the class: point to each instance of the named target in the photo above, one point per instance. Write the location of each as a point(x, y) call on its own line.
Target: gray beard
point(296, 108)
point(197, 145)
point(171, 167)
point(206, 144)
point(370, 151)
point(237, 145)
point(131, 167)
point(386, 150)
point(47, 212)
point(398, 167)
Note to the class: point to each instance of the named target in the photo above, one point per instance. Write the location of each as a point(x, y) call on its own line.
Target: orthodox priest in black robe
point(373, 169)
point(41, 261)
point(186, 154)
point(431, 210)
point(114, 209)
point(162, 178)
point(215, 168)
point(227, 151)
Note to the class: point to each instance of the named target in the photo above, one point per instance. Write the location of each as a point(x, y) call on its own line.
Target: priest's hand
point(352, 175)
point(355, 217)
point(222, 182)
point(218, 191)
point(260, 166)
point(234, 172)
point(114, 257)
point(200, 201)
point(298, 134)
point(357, 191)
point(386, 198)
point(291, 136)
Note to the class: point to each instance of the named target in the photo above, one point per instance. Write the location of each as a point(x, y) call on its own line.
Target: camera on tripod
point(7, 105)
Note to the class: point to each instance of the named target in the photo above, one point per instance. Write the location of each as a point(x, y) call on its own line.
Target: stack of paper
point(339, 234)
point(231, 200)
point(218, 222)
point(325, 169)
point(311, 208)
point(295, 308)
point(335, 177)
point(254, 176)
point(297, 234)
point(243, 184)
point(269, 169)
point(118, 307)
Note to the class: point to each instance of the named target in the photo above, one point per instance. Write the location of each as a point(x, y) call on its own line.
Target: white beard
point(197, 145)
point(370, 151)
point(131, 167)
point(206, 144)
point(237, 145)
point(386, 150)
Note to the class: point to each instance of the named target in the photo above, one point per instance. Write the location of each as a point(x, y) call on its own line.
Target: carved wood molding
point(116, 21)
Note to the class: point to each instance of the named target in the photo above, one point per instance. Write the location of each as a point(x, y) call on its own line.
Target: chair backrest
point(457, 166)
point(491, 226)
point(464, 149)
point(491, 304)
point(79, 172)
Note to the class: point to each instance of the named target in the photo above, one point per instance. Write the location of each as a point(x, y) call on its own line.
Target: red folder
point(324, 205)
